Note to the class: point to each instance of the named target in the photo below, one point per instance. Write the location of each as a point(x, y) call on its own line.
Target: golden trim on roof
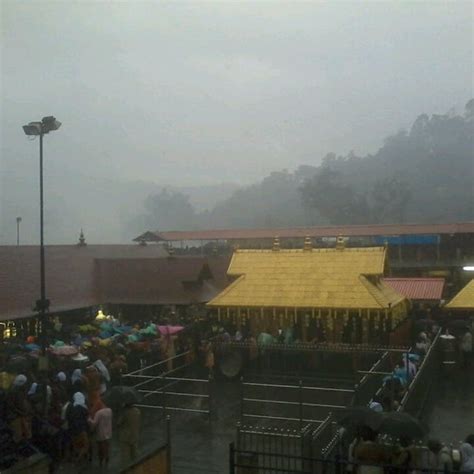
point(464, 299)
point(323, 278)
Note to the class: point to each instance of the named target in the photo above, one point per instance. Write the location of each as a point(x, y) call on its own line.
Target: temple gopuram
point(332, 295)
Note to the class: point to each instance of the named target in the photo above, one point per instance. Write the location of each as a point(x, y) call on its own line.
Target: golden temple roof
point(464, 299)
point(317, 278)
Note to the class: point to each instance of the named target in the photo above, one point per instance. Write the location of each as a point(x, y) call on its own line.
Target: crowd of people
point(369, 455)
point(66, 415)
point(58, 400)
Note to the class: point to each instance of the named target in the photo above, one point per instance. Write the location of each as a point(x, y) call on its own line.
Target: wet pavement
point(450, 411)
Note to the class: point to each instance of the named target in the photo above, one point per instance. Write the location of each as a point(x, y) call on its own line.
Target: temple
point(326, 295)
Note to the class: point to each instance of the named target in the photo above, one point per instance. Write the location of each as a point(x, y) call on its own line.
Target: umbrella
point(265, 339)
point(231, 364)
point(17, 364)
point(360, 416)
point(401, 424)
point(80, 358)
point(170, 330)
point(119, 396)
point(64, 350)
point(457, 324)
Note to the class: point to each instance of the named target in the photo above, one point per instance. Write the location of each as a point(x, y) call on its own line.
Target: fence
point(157, 461)
point(372, 380)
point(414, 400)
point(257, 446)
point(251, 461)
point(302, 360)
point(163, 388)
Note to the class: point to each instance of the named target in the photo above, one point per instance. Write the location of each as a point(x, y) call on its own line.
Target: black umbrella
point(18, 364)
point(360, 416)
point(401, 424)
point(457, 324)
point(119, 396)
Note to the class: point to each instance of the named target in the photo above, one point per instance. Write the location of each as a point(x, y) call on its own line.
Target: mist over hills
point(424, 174)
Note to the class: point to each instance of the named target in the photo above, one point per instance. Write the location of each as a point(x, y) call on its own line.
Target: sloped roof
point(319, 231)
point(464, 299)
point(417, 288)
point(321, 278)
point(176, 280)
point(71, 280)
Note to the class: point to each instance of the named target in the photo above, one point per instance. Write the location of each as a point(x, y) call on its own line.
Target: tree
point(335, 199)
point(388, 200)
point(168, 211)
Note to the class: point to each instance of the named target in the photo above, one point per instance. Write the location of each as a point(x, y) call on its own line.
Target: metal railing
point(414, 399)
point(291, 404)
point(259, 461)
point(157, 461)
point(169, 391)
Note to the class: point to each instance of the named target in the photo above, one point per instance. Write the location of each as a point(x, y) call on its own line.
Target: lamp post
point(18, 220)
point(47, 124)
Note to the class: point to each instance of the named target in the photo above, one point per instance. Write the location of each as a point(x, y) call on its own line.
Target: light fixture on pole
point(47, 124)
point(468, 268)
point(18, 220)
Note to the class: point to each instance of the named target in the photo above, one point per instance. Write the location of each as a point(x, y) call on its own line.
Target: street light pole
point(18, 220)
point(43, 304)
point(46, 125)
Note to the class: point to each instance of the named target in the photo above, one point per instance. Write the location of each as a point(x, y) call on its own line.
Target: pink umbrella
point(170, 330)
point(64, 350)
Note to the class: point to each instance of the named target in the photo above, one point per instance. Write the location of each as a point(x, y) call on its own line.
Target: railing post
point(163, 393)
point(355, 397)
point(168, 443)
point(301, 403)
point(231, 458)
point(241, 398)
point(209, 391)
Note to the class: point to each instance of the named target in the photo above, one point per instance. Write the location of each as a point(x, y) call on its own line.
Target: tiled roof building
point(90, 275)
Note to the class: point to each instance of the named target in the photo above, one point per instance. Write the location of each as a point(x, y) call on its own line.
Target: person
point(77, 416)
point(129, 430)
point(104, 375)
point(376, 406)
point(19, 409)
point(467, 454)
point(403, 456)
point(117, 368)
point(210, 360)
point(59, 391)
point(409, 366)
point(78, 382)
point(101, 424)
point(369, 454)
point(439, 456)
point(422, 344)
point(466, 348)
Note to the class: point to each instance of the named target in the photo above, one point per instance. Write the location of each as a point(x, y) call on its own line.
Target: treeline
point(425, 174)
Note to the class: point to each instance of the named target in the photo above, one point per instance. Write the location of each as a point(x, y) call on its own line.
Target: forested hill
point(425, 174)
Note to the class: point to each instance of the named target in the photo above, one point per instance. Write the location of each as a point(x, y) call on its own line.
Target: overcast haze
point(200, 93)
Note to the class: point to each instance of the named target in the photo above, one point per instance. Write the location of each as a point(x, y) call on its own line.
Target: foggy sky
point(190, 93)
